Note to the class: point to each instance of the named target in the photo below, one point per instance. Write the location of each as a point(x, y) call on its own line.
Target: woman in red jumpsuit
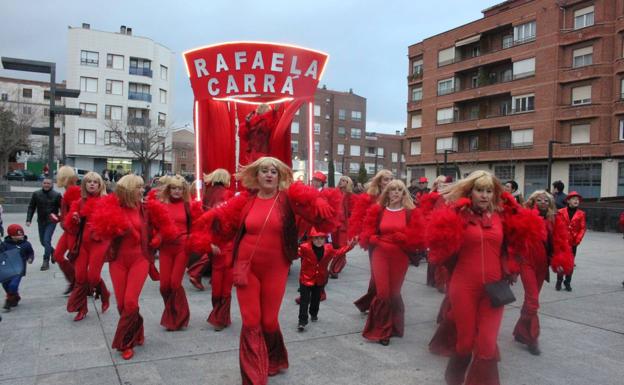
point(473, 230)
point(265, 243)
point(340, 237)
point(392, 229)
point(131, 230)
point(66, 178)
point(92, 249)
point(173, 256)
point(360, 207)
point(554, 250)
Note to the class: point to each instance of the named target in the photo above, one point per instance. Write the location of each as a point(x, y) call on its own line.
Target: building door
point(585, 179)
point(535, 178)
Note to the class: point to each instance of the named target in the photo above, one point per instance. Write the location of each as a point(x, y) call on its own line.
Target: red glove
point(156, 241)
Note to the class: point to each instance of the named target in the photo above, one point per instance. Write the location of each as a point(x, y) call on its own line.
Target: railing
point(140, 71)
point(140, 96)
point(89, 62)
point(138, 122)
point(481, 53)
point(414, 77)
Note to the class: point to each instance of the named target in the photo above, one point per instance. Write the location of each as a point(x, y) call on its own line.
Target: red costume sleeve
point(444, 234)
point(161, 221)
point(321, 209)
point(562, 253)
point(428, 201)
point(71, 195)
point(368, 235)
point(108, 220)
point(361, 203)
point(581, 227)
point(69, 224)
point(523, 230)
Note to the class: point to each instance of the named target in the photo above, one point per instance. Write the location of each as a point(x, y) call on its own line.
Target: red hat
point(423, 179)
point(315, 233)
point(573, 194)
point(15, 230)
point(320, 176)
point(449, 179)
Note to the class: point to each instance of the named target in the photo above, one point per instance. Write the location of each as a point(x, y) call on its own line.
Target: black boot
point(558, 285)
point(45, 265)
point(456, 369)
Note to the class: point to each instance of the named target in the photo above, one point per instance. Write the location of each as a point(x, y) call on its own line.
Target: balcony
point(573, 36)
point(132, 121)
point(592, 71)
point(619, 66)
point(618, 107)
point(583, 111)
point(414, 78)
point(140, 71)
point(140, 96)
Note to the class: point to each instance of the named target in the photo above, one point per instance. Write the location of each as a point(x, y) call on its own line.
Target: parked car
point(21, 175)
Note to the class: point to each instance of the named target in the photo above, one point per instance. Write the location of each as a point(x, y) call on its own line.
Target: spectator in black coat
point(47, 203)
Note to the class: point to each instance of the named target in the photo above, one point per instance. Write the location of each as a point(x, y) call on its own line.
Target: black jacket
point(46, 203)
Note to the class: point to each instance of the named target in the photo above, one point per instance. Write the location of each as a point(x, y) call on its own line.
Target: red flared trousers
point(527, 328)
point(221, 283)
point(173, 261)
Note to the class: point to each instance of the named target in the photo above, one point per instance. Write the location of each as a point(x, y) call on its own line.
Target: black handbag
point(500, 293)
point(11, 264)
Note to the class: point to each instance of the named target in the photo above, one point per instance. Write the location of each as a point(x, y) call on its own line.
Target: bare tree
point(14, 132)
point(146, 142)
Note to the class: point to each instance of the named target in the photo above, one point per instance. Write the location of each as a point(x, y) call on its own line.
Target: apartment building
point(29, 100)
point(125, 82)
point(183, 152)
point(497, 92)
point(340, 129)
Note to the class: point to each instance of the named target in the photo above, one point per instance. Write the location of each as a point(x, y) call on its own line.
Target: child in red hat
point(574, 219)
point(16, 239)
point(315, 255)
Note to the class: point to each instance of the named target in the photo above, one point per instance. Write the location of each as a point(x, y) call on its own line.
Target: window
point(506, 75)
point(163, 96)
point(416, 121)
point(417, 67)
point(111, 138)
point(522, 138)
point(46, 111)
point(621, 129)
point(340, 149)
point(317, 128)
point(294, 127)
point(356, 115)
point(112, 112)
point(370, 151)
point(534, 178)
point(371, 169)
point(380, 151)
point(473, 142)
point(5, 97)
point(27, 93)
point(584, 17)
point(89, 58)
point(581, 95)
point(89, 110)
point(356, 133)
point(507, 41)
point(115, 62)
point(294, 146)
point(141, 67)
point(620, 179)
point(582, 57)
point(88, 84)
point(354, 167)
point(585, 178)
point(505, 173)
point(354, 150)
point(342, 114)
point(416, 94)
point(317, 147)
point(501, 140)
point(26, 110)
point(473, 112)
point(395, 157)
point(446, 86)
point(448, 143)
point(621, 89)
point(114, 87)
point(415, 147)
point(164, 72)
point(445, 115)
point(524, 68)
point(523, 103)
point(317, 110)
point(446, 56)
point(86, 136)
point(579, 133)
point(183, 154)
point(162, 119)
point(139, 91)
point(46, 95)
point(524, 33)
point(342, 132)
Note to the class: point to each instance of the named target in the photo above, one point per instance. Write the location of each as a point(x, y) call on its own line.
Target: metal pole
point(331, 169)
point(52, 116)
point(376, 156)
point(162, 170)
point(445, 159)
point(550, 156)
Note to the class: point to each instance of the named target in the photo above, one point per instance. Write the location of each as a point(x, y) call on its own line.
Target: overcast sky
point(367, 40)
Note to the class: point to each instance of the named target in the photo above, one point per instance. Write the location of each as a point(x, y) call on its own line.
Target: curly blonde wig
point(249, 174)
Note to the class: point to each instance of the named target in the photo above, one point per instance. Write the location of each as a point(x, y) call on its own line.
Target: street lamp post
point(446, 152)
point(550, 160)
point(330, 168)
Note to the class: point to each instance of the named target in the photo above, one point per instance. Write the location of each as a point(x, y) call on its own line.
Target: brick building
point(340, 127)
point(183, 152)
point(493, 93)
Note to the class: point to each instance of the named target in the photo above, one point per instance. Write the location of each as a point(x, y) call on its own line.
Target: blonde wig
point(374, 187)
point(126, 190)
point(396, 184)
point(92, 176)
point(175, 181)
point(349, 185)
point(532, 203)
point(437, 181)
point(249, 174)
point(219, 175)
point(66, 176)
point(477, 179)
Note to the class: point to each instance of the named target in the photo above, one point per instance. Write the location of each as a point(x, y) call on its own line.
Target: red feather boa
point(305, 201)
point(361, 203)
point(108, 219)
point(428, 201)
point(72, 193)
point(369, 227)
point(160, 218)
point(196, 209)
point(444, 234)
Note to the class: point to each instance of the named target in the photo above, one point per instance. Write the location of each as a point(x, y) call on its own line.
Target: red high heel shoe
point(127, 354)
point(141, 340)
point(80, 316)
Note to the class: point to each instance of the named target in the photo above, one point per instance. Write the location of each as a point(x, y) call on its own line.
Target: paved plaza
point(582, 338)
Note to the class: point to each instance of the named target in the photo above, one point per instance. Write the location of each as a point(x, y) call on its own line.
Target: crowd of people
point(477, 235)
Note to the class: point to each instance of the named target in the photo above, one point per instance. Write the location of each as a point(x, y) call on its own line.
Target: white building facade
point(124, 80)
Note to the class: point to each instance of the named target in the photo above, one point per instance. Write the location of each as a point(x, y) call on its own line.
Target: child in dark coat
point(16, 239)
point(315, 255)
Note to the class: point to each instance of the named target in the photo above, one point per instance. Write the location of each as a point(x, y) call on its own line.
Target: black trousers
point(568, 277)
point(310, 300)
